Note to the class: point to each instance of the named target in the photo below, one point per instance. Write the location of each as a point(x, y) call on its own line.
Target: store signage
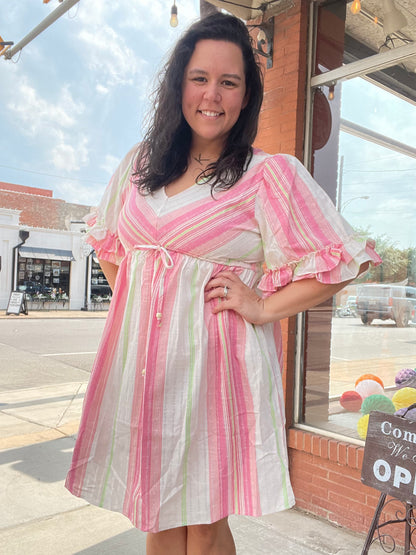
point(389, 463)
point(17, 303)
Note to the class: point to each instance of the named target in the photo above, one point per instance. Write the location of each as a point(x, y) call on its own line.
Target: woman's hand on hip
point(233, 294)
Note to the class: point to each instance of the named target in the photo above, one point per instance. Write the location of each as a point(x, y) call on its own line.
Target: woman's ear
point(245, 100)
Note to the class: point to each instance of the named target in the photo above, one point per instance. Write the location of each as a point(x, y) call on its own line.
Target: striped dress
point(183, 419)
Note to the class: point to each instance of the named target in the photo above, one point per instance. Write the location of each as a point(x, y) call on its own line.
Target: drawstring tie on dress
point(166, 258)
point(168, 263)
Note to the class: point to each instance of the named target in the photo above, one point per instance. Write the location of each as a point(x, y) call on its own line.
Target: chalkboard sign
point(17, 303)
point(389, 463)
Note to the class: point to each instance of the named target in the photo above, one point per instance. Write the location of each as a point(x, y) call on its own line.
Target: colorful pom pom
point(369, 377)
point(362, 426)
point(377, 402)
point(404, 397)
point(369, 387)
point(406, 377)
point(351, 400)
point(410, 415)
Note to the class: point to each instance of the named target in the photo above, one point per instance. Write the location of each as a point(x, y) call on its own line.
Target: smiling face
point(213, 92)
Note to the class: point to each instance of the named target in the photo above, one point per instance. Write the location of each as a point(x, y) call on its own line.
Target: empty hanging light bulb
point(174, 15)
point(355, 7)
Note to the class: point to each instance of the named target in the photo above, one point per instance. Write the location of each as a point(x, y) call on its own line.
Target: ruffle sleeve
point(303, 234)
point(102, 221)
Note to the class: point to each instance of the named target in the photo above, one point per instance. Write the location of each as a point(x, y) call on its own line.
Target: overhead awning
point(46, 254)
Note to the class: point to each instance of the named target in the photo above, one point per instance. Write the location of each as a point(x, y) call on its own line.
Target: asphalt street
point(49, 351)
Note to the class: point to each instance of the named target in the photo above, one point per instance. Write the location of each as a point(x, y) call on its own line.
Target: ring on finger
point(225, 291)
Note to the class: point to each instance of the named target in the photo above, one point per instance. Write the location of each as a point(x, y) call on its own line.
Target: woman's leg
point(167, 542)
point(210, 539)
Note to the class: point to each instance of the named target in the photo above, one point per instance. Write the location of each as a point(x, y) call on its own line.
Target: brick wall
point(326, 479)
point(283, 113)
point(25, 189)
point(37, 207)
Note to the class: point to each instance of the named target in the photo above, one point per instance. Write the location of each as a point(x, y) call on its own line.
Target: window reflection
point(370, 327)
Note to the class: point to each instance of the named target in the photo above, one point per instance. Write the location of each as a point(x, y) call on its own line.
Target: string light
point(331, 92)
point(174, 15)
point(355, 7)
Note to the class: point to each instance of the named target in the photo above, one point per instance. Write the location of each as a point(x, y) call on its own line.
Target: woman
point(183, 420)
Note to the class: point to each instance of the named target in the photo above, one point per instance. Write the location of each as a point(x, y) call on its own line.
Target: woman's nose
point(212, 93)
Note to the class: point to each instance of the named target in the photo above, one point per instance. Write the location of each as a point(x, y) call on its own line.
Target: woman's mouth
point(210, 114)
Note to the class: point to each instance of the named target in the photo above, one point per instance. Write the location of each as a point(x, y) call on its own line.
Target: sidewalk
point(38, 516)
point(40, 314)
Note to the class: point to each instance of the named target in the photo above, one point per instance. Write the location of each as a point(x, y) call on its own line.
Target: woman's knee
point(172, 541)
point(208, 534)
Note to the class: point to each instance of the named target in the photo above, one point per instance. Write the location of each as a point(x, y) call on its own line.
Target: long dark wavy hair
point(163, 153)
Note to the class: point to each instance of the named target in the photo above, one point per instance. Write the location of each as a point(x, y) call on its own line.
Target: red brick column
point(283, 113)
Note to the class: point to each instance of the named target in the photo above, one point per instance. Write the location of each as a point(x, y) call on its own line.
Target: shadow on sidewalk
point(132, 542)
point(45, 462)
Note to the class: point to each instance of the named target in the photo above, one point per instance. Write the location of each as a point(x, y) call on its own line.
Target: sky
point(73, 101)
point(385, 176)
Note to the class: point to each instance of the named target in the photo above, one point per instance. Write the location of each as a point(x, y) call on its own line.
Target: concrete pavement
point(39, 516)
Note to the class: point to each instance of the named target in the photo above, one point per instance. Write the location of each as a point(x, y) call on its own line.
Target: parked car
point(352, 304)
point(386, 301)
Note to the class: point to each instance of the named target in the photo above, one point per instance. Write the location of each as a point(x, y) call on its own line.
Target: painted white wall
point(46, 238)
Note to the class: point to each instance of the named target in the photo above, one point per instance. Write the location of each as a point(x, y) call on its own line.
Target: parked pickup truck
point(386, 301)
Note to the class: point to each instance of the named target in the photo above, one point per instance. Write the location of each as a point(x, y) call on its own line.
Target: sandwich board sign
point(17, 303)
point(389, 463)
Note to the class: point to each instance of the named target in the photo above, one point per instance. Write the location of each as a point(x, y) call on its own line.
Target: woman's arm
point(295, 297)
point(110, 271)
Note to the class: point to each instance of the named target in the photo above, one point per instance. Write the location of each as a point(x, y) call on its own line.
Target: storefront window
point(44, 280)
point(364, 155)
point(100, 290)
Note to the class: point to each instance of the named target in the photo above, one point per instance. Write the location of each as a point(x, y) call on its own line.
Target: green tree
point(399, 265)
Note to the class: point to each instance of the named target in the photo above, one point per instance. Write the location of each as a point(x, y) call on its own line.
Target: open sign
point(389, 463)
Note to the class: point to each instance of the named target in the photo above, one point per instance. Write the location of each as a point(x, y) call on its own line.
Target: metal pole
point(341, 175)
point(51, 18)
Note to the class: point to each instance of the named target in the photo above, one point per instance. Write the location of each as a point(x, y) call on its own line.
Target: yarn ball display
point(369, 377)
point(362, 426)
point(404, 397)
point(351, 400)
point(405, 375)
point(369, 387)
point(377, 402)
point(410, 415)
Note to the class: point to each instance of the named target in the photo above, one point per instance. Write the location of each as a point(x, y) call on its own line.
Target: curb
point(41, 314)
point(49, 434)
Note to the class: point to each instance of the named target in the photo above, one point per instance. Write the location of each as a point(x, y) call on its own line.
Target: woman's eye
point(199, 79)
point(229, 83)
